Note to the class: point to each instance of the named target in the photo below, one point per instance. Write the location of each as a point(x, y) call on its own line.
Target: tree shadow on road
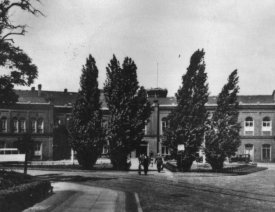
point(73, 178)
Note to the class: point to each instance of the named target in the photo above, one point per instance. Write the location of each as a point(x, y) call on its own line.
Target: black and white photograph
point(137, 105)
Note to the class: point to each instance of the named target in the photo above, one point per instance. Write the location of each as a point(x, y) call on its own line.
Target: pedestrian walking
point(159, 162)
point(141, 163)
point(151, 158)
point(146, 163)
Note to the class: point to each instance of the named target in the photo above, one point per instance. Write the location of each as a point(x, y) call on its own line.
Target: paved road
point(72, 197)
point(168, 191)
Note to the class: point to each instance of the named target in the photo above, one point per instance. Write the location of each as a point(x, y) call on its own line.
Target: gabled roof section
point(57, 98)
point(66, 99)
point(247, 99)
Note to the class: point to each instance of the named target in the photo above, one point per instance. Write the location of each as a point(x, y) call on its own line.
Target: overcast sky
point(235, 34)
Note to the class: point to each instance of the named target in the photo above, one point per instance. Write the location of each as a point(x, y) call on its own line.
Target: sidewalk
point(72, 197)
point(100, 162)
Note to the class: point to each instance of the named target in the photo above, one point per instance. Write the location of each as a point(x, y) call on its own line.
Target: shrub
point(24, 195)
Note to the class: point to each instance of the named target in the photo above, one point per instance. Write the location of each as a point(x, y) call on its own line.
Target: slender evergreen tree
point(86, 131)
point(222, 139)
point(129, 110)
point(187, 120)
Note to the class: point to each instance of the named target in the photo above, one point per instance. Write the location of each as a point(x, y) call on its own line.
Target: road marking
point(138, 203)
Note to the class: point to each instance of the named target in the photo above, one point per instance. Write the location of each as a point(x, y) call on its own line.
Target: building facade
point(46, 115)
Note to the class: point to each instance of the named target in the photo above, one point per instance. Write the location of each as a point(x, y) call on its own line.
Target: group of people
point(145, 161)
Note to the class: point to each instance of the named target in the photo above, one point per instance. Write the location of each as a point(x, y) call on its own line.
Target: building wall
point(28, 112)
point(60, 115)
point(257, 140)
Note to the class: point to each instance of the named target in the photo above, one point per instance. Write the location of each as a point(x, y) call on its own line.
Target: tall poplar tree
point(86, 131)
point(187, 121)
point(129, 110)
point(222, 139)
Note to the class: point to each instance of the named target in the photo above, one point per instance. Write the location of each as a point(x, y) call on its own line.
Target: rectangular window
point(4, 125)
point(164, 150)
point(145, 129)
point(15, 125)
point(249, 127)
point(40, 126)
point(37, 149)
point(2, 144)
point(266, 150)
point(266, 128)
point(33, 126)
point(22, 126)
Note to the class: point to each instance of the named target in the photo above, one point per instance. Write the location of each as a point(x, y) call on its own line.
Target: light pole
point(157, 111)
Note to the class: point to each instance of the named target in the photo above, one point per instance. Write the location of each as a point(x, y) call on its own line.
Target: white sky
point(234, 34)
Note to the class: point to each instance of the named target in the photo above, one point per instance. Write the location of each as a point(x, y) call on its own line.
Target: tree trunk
point(26, 163)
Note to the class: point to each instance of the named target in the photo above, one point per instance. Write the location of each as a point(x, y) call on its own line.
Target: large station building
point(46, 113)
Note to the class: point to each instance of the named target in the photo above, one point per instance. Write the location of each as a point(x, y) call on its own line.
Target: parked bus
point(11, 155)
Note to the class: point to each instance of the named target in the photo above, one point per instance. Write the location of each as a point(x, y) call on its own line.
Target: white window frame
point(166, 150)
point(145, 129)
point(270, 152)
point(105, 149)
point(35, 125)
point(36, 151)
point(24, 125)
point(42, 126)
point(267, 128)
point(249, 128)
point(163, 125)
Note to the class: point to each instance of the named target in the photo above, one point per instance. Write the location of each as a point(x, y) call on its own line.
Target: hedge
point(23, 196)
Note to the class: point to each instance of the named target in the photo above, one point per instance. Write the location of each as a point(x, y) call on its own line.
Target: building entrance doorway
point(142, 149)
point(249, 149)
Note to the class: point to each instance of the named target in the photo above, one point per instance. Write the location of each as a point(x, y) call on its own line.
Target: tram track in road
point(161, 181)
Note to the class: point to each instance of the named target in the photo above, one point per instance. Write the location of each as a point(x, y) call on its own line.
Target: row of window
point(18, 125)
point(249, 126)
point(266, 151)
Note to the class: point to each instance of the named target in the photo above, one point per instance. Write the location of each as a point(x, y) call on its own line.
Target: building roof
point(248, 99)
point(66, 98)
point(57, 98)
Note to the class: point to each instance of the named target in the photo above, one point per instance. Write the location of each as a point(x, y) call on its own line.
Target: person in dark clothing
point(146, 163)
point(151, 158)
point(141, 163)
point(159, 162)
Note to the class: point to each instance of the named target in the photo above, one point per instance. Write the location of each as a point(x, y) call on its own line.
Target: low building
point(46, 114)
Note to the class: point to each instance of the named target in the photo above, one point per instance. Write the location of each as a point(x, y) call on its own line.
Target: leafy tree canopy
point(18, 65)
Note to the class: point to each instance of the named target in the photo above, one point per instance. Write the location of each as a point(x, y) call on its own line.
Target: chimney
point(39, 89)
point(33, 89)
point(65, 90)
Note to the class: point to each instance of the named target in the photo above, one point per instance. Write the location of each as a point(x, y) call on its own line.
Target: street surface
point(165, 191)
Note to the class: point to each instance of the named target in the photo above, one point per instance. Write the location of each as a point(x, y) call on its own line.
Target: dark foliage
point(187, 122)
point(61, 145)
point(23, 196)
point(222, 139)
point(86, 131)
point(129, 109)
point(25, 144)
point(19, 66)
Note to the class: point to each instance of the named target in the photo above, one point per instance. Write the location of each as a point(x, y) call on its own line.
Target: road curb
point(139, 209)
